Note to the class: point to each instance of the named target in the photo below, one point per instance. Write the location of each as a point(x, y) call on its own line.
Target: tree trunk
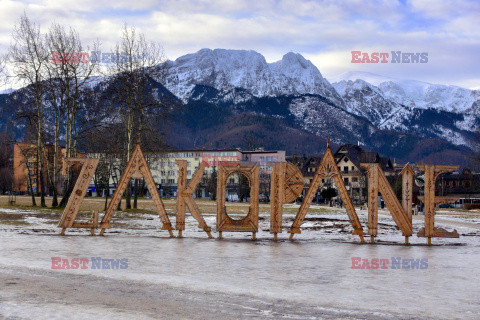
point(128, 196)
point(68, 188)
point(30, 187)
point(55, 165)
point(136, 194)
point(106, 197)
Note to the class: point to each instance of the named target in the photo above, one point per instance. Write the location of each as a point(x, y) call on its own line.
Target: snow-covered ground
point(199, 278)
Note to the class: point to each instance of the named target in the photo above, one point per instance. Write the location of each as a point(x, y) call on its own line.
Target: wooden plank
point(438, 168)
point(372, 201)
point(378, 183)
point(293, 183)
point(440, 200)
point(430, 200)
point(407, 189)
point(181, 204)
point(78, 193)
point(277, 197)
point(393, 205)
point(429, 230)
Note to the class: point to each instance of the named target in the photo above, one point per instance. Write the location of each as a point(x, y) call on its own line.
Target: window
point(345, 169)
point(231, 180)
point(355, 179)
point(353, 168)
point(345, 180)
point(171, 181)
point(171, 173)
point(162, 181)
point(346, 159)
point(189, 172)
point(162, 172)
point(188, 164)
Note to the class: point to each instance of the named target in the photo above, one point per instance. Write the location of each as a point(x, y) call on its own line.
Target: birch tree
point(135, 62)
point(28, 55)
point(69, 72)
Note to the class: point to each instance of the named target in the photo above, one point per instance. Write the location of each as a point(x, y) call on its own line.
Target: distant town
point(463, 183)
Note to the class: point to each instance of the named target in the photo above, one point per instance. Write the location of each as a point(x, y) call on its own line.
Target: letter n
point(377, 182)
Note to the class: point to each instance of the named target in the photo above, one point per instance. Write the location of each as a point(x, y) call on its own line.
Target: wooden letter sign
point(136, 168)
point(78, 193)
point(327, 170)
point(250, 222)
point(184, 197)
point(377, 182)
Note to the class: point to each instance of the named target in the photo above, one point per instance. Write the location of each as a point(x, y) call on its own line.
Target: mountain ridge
point(231, 96)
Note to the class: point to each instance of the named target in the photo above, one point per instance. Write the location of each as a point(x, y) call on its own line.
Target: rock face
point(430, 110)
point(228, 69)
point(356, 100)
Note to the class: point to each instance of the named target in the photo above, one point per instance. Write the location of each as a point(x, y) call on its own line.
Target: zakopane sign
point(286, 186)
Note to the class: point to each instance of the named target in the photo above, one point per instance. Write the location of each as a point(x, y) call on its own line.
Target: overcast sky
point(324, 32)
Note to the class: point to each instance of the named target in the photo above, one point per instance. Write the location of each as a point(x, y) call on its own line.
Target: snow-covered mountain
point(365, 100)
point(429, 110)
point(233, 95)
point(228, 69)
point(239, 77)
point(418, 94)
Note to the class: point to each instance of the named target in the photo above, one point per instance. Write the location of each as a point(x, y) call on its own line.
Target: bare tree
point(29, 56)
point(6, 165)
point(28, 151)
point(3, 70)
point(68, 76)
point(135, 64)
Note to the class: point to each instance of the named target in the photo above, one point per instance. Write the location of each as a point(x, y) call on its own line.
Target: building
point(309, 168)
point(26, 167)
point(165, 171)
point(296, 160)
point(264, 159)
point(464, 184)
point(348, 158)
